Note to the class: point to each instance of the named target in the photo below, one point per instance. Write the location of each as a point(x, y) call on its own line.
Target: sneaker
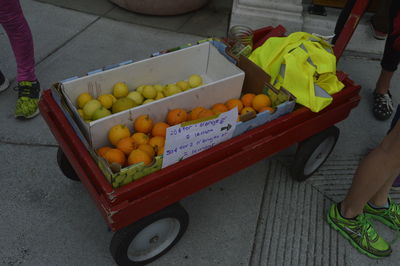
point(360, 232)
point(383, 106)
point(396, 183)
point(379, 35)
point(388, 216)
point(4, 83)
point(28, 99)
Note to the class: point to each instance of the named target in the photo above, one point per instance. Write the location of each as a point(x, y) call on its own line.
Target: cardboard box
point(222, 81)
point(258, 81)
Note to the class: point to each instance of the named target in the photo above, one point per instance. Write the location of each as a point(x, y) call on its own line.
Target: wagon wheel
point(65, 166)
point(149, 238)
point(313, 152)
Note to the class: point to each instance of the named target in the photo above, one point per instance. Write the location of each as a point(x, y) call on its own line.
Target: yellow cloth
point(303, 64)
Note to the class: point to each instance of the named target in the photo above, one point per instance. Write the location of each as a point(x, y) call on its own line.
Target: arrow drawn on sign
point(227, 127)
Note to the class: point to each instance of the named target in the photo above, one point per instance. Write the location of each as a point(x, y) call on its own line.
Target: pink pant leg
point(14, 23)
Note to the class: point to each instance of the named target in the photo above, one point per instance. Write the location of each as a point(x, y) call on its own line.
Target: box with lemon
point(117, 97)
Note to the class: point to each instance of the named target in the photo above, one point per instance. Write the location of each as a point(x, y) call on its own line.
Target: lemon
point(83, 98)
point(90, 107)
point(140, 89)
point(149, 92)
point(106, 100)
point(184, 85)
point(122, 104)
point(159, 95)
point(172, 89)
point(136, 96)
point(80, 112)
point(159, 88)
point(195, 80)
point(120, 89)
point(148, 101)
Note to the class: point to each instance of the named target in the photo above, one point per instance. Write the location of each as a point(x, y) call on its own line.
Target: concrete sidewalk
point(258, 216)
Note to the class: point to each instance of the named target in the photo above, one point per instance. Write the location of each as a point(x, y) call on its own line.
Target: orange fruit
point(267, 108)
point(195, 112)
point(137, 156)
point(102, 150)
point(232, 103)
point(205, 113)
point(219, 108)
point(143, 124)
point(140, 138)
point(247, 99)
point(118, 132)
point(260, 101)
point(176, 116)
point(157, 142)
point(159, 129)
point(160, 151)
point(246, 110)
point(115, 156)
point(126, 145)
point(148, 149)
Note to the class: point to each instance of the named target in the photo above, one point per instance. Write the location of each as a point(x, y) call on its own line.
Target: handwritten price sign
point(185, 140)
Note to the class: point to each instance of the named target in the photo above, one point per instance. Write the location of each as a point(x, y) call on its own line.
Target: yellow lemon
point(82, 99)
point(158, 87)
point(80, 112)
point(140, 89)
point(148, 101)
point(159, 95)
point(106, 100)
point(195, 80)
point(120, 89)
point(149, 92)
point(184, 85)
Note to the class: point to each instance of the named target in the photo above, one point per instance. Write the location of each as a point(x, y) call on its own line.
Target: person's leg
point(20, 36)
point(383, 105)
point(380, 20)
point(374, 176)
point(343, 16)
point(13, 21)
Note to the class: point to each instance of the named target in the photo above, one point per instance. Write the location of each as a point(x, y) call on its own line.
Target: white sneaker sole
point(5, 85)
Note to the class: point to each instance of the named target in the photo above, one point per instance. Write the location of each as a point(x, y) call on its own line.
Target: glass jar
point(240, 38)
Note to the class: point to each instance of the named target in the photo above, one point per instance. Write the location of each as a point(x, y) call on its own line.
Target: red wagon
point(146, 215)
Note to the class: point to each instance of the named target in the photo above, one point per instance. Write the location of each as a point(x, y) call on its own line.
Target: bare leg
point(383, 83)
point(374, 176)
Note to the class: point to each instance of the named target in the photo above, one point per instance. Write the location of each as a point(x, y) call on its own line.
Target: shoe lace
point(385, 99)
point(366, 227)
point(25, 91)
point(394, 214)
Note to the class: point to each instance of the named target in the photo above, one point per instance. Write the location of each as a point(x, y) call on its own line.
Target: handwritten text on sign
point(185, 141)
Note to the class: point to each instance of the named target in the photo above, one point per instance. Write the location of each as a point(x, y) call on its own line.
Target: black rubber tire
point(65, 166)
point(306, 149)
point(122, 239)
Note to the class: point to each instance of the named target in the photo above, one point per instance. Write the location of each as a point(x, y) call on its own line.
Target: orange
point(118, 132)
point(137, 156)
point(148, 149)
point(247, 99)
point(232, 103)
point(157, 142)
point(246, 110)
point(176, 116)
point(260, 101)
point(195, 112)
point(159, 129)
point(143, 124)
point(205, 113)
point(140, 138)
point(115, 156)
point(160, 151)
point(102, 150)
point(126, 145)
point(219, 108)
point(267, 108)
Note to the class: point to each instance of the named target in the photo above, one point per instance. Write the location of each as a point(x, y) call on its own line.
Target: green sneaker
point(389, 216)
point(28, 99)
point(360, 232)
